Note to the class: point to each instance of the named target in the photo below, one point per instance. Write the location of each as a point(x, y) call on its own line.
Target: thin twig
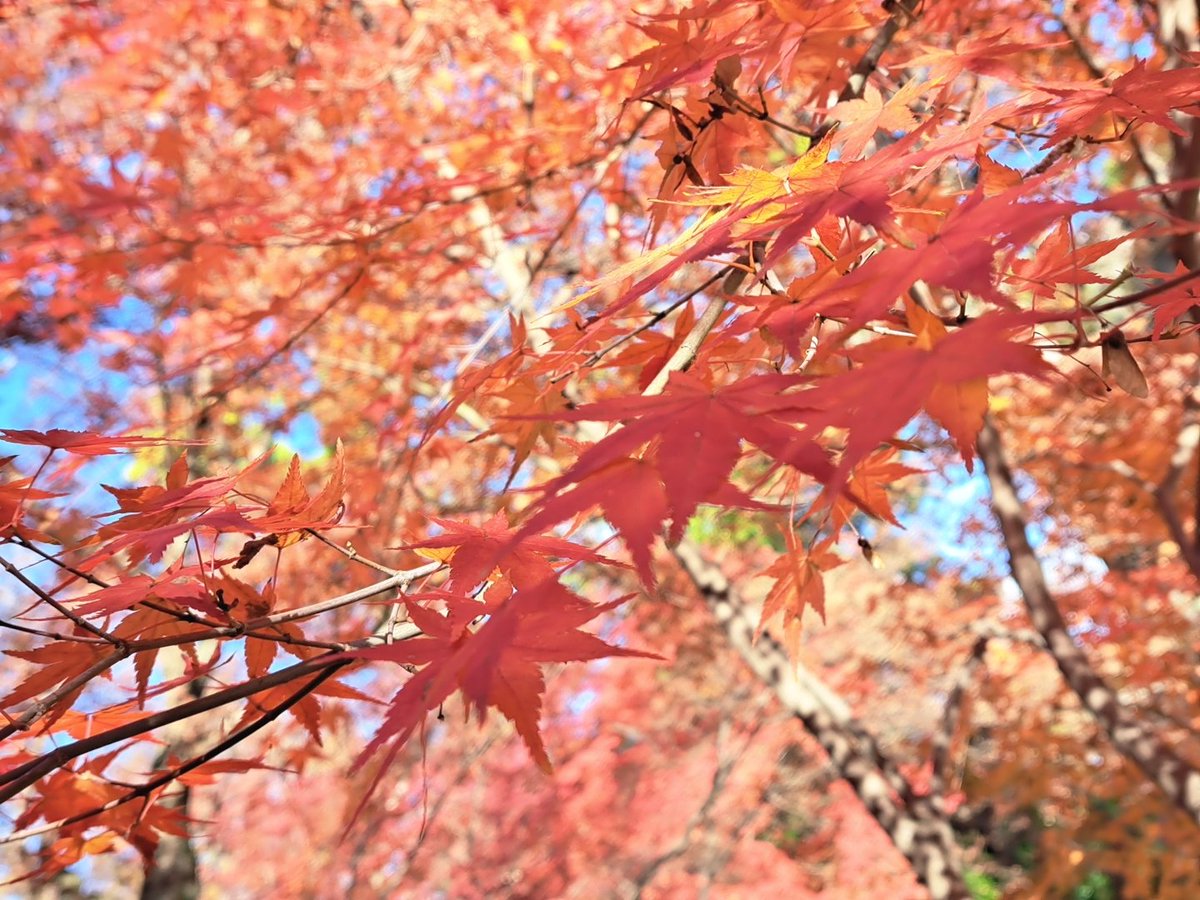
point(645, 326)
point(58, 607)
point(353, 555)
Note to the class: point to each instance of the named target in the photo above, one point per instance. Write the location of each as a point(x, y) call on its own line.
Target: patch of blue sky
point(1142, 48)
point(378, 185)
point(951, 500)
point(1101, 31)
point(1021, 156)
point(98, 169)
point(130, 164)
point(579, 703)
point(954, 498)
point(303, 436)
point(44, 389)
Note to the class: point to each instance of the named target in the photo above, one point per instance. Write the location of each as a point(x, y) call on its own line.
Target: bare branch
point(45, 597)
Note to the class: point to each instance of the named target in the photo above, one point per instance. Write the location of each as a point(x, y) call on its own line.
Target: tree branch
point(15, 780)
point(1132, 738)
point(1186, 442)
point(144, 790)
point(917, 826)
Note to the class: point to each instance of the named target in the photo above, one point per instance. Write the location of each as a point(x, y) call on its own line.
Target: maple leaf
point(14, 495)
point(292, 495)
point(650, 350)
point(946, 374)
point(80, 725)
point(144, 623)
point(683, 54)
point(60, 661)
point(708, 236)
point(798, 585)
point(68, 792)
point(307, 711)
point(960, 256)
point(291, 509)
point(150, 517)
point(862, 117)
point(476, 551)
point(994, 178)
point(82, 443)
point(292, 512)
point(207, 773)
point(634, 502)
point(1138, 95)
point(149, 506)
point(497, 666)
point(736, 212)
point(179, 585)
point(867, 488)
point(958, 405)
point(781, 207)
point(749, 192)
point(469, 385)
point(526, 397)
point(859, 190)
point(152, 543)
point(1170, 304)
point(1060, 260)
point(697, 433)
point(984, 55)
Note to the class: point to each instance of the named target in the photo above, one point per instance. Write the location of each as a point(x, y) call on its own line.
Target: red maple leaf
point(82, 443)
point(498, 665)
point(1138, 95)
point(799, 584)
point(291, 510)
point(931, 373)
point(476, 551)
point(696, 433)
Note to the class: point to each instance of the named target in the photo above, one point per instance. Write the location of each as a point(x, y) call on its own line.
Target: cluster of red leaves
point(868, 274)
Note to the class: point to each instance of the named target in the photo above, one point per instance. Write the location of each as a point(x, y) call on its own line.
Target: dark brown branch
point(1131, 737)
point(901, 13)
point(1141, 296)
point(45, 597)
point(1186, 442)
point(144, 790)
point(918, 826)
point(17, 779)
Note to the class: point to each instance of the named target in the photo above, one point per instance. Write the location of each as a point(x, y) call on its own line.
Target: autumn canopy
point(741, 448)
